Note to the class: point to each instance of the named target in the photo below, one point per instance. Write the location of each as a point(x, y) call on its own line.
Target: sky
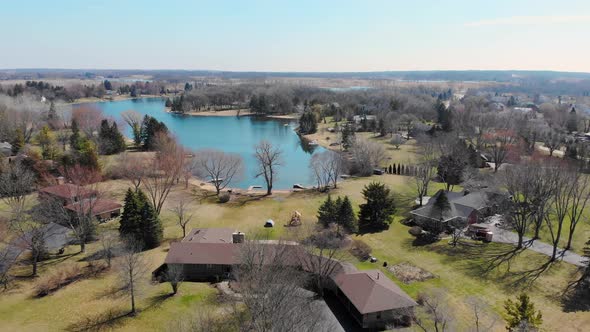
point(297, 35)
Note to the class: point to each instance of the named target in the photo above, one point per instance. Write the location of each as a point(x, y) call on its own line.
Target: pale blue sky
point(298, 35)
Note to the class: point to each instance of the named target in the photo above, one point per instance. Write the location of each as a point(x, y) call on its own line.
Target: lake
point(230, 134)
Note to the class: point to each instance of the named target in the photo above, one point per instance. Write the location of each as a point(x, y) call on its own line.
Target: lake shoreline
point(242, 112)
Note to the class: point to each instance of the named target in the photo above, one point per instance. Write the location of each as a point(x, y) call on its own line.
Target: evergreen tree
point(327, 213)
point(75, 138)
point(150, 128)
point(442, 203)
point(348, 136)
point(379, 208)
point(110, 139)
point(107, 85)
point(307, 123)
point(133, 93)
point(46, 140)
point(139, 220)
point(52, 113)
point(346, 216)
point(151, 226)
point(18, 141)
point(168, 102)
point(130, 218)
point(572, 121)
point(390, 169)
point(522, 313)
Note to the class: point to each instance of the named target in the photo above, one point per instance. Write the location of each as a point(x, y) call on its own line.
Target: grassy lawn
point(460, 271)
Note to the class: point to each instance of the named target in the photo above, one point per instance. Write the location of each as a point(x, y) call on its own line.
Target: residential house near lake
point(370, 297)
point(464, 207)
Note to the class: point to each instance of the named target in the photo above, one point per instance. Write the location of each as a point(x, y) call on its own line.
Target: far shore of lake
point(242, 112)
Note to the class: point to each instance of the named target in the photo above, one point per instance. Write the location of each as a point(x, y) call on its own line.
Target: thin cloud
point(530, 20)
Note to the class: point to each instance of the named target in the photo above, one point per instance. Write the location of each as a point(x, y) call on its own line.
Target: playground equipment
point(295, 219)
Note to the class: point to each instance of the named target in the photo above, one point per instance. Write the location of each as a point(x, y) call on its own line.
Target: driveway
point(502, 235)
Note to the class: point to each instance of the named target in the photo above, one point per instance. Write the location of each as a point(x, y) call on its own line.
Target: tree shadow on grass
point(157, 300)
point(107, 320)
point(576, 296)
point(492, 262)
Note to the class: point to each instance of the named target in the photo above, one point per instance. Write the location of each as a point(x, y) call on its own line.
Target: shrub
point(224, 198)
point(360, 250)
point(55, 280)
point(415, 231)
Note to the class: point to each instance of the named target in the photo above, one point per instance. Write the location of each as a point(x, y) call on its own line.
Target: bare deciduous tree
point(484, 317)
point(183, 218)
point(16, 182)
point(327, 167)
point(109, 242)
point(367, 155)
point(134, 120)
point(433, 313)
point(132, 270)
point(269, 159)
point(163, 171)
point(221, 167)
point(174, 275)
point(272, 290)
point(579, 190)
point(133, 167)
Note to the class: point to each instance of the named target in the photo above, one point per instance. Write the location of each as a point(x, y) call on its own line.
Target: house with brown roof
point(80, 200)
point(66, 193)
point(371, 298)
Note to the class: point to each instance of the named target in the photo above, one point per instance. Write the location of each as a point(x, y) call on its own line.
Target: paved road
point(505, 236)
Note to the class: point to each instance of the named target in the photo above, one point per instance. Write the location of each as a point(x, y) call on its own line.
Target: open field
point(460, 271)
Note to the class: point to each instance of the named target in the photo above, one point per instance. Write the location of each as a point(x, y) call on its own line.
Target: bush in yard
point(51, 282)
point(360, 250)
point(415, 231)
point(224, 198)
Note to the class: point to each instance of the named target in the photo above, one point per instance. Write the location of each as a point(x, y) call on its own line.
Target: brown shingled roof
point(98, 206)
point(372, 291)
point(209, 235)
point(68, 191)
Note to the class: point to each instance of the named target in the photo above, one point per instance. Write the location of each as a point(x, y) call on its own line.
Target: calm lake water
point(229, 134)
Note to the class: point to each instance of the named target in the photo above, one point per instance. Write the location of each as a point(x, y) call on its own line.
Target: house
point(5, 149)
point(359, 118)
point(370, 297)
point(101, 209)
point(66, 193)
point(465, 207)
point(79, 200)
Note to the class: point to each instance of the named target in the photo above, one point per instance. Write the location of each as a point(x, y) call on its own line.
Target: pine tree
point(442, 203)
point(151, 226)
point(139, 220)
point(379, 208)
point(522, 312)
point(327, 213)
point(130, 219)
point(346, 216)
point(18, 142)
point(390, 169)
point(75, 138)
point(52, 113)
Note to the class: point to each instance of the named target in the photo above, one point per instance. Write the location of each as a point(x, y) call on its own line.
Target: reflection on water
point(230, 134)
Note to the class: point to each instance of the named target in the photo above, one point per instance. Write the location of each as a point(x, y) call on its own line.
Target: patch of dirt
point(409, 273)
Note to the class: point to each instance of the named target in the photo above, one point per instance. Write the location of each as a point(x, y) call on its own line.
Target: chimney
point(238, 237)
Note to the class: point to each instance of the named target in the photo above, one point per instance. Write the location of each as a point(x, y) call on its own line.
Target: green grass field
point(460, 271)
